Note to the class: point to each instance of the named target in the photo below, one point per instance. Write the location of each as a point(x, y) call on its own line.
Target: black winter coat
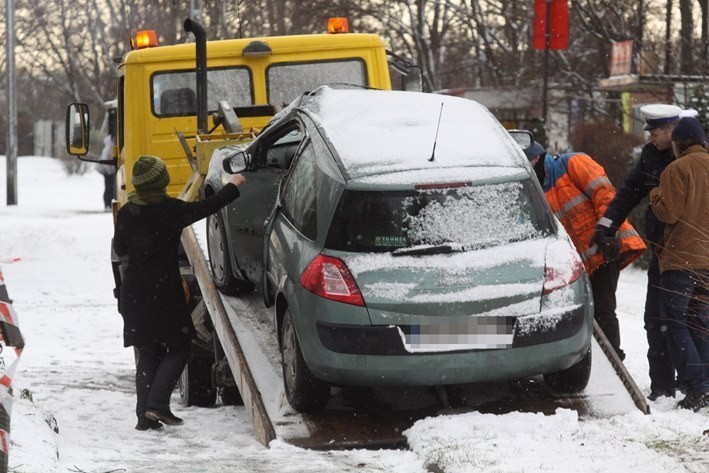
point(641, 179)
point(152, 299)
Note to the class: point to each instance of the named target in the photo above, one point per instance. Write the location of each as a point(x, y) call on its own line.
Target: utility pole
point(11, 148)
point(196, 10)
point(638, 43)
point(668, 38)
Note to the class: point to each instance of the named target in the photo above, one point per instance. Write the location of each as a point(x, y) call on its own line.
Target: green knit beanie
point(150, 174)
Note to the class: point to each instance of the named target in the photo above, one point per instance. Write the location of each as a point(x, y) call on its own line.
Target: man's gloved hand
point(605, 238)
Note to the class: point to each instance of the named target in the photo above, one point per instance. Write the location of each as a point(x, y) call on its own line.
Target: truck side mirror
point(237, 162)
point(77, 129)
point(404, 74)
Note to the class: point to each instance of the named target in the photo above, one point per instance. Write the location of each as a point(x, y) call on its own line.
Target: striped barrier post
point(10, 336)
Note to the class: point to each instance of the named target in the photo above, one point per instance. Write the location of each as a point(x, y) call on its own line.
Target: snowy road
point(80, 376)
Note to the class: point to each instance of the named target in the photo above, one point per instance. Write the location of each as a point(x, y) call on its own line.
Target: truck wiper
point(427, 250)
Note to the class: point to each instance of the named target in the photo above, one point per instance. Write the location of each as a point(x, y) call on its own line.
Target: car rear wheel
point(230, 396)
point(220, 260)
point(303, 390)
point(572, 379)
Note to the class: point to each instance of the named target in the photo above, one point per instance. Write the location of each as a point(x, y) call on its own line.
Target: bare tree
point(418, 29)
point(704, 22)
point(686, 40)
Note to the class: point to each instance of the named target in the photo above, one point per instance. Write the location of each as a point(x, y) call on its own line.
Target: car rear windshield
point(468, 217)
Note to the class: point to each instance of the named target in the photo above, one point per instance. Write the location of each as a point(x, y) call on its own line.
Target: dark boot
point(166, 417)
point(147, 424)
point(658, 393)
point(694, 402)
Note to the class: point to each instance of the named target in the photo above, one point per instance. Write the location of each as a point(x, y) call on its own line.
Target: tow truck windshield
point(173, 93)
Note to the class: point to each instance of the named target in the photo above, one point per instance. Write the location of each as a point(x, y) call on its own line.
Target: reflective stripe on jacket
point(578, 192)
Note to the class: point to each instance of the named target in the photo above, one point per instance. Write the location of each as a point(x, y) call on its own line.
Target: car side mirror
point(77, 129)
point(237, 162)
point(524, 138)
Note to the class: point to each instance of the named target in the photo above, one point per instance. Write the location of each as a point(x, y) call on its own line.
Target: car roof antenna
point(438, 126)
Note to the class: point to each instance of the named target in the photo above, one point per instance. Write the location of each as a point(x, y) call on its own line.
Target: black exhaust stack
point(200, 35)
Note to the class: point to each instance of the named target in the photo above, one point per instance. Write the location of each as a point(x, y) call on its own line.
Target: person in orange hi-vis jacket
point(578, 191)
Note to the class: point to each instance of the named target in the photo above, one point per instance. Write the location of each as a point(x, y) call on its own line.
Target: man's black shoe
point(147, 424)
point(654, 395)
point(166, 417)
point(694, 402)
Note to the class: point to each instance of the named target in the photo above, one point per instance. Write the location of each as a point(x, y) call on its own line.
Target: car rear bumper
point(377, 355)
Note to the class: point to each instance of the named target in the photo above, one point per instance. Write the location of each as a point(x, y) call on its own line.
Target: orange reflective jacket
point(578, 192)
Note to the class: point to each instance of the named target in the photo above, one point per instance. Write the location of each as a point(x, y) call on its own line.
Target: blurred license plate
point(459, 333)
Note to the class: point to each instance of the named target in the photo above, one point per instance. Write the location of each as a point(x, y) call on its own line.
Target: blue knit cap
point(688, 129)
point(533, 151)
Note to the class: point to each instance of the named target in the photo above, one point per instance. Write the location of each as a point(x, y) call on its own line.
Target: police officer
point(660, 120)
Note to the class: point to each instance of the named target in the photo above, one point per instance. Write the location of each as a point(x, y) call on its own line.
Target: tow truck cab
point(158, 96)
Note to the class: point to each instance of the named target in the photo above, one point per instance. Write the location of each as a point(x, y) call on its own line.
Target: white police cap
point(658, 114)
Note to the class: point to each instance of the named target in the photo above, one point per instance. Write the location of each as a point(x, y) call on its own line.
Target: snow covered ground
point(74, 399)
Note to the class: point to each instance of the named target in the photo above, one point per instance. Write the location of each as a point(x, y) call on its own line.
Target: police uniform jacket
point(642, 178)
point(682, 202)
point(152, 298)
point(578, 192)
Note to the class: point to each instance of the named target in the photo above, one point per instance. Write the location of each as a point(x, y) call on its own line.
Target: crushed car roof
point(377, 131)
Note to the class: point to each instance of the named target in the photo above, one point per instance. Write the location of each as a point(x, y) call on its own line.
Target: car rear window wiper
point(427, 250)
point(442, 249)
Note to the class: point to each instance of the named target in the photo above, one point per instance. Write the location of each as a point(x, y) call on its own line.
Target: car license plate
point(459, 333)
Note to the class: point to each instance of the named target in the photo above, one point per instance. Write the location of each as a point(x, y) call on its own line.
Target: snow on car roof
point(473, 174)
point(377, 131)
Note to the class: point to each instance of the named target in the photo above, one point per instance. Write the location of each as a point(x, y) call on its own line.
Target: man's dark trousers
point(662, 369)
point(604, 282)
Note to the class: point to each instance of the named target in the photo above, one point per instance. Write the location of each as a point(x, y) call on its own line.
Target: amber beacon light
point(337, 25)
point(145, 39)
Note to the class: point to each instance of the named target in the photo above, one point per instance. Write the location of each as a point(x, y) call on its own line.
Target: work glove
point(606, 240)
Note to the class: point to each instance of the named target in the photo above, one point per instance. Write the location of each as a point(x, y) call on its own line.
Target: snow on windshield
point(473, 216)
point(384, 131)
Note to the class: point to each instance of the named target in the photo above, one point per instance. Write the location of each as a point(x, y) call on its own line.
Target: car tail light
point(556, 277)
point(329, 277)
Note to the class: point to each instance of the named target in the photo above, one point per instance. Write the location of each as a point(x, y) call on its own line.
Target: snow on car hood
point(384, 131)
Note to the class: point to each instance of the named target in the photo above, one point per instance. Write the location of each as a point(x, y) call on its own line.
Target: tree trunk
point(704, 9)
point(686, 63)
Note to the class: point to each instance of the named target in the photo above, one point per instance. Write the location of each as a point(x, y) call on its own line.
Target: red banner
point(558, 24)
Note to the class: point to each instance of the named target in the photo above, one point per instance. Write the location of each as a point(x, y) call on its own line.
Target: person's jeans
point(157, 372)
point(604, 282)
point(662, 369)
point(685, 302)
